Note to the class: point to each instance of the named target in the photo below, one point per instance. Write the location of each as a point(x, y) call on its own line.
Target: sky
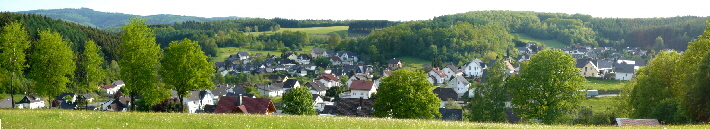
point(397, 10)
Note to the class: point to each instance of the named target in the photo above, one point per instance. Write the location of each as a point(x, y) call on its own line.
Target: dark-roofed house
point(353, 107)
point(317, 88)
point(624, 71)
point(316, 52)
point(394, 64)
point(303, 59)
point(278, 78)
point(362, 89)
point(245, 105)
point(243, 55)
point(451, 114)
point(604, 66)
point(336, 60)
point(451, 70)
point(473, 68)
point(291, 83)
point(445, 94)
point(587, 68)
point(459, 84)
point(273, 90)
point(119, 104)
point(65, 101)
point(31, 101)
point(198, 99)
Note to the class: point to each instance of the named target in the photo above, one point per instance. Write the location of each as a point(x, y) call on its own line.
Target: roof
point(388, 72)
point(120, 103)
point(317, 86)
point(34, 98)
point(277, 77)
point(476, 62)
point(509, 66)
point(451, 114)
point(394, 61)
point(290, 83)
point(438, 72)
point(304, 56)
point(329, 77)
point(604, 64)
point(635, 122)
point(316, 96)
point(243, 54)
point(6, 103)
point(273, 87)
point(108, 86)
point(330, 52)
point(335, 58)
point(639, 62)
point(361, 85)
point(452, 67)
point(248, 105)
point(462, 79)
point(446, 93)
point(221, 90)
point(118, 82)
point(354, 107)
point(624, 68)
point(88, 96)
point(317, 50)
point(582, 62)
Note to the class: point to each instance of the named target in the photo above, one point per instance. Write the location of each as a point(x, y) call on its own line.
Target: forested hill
point(74, 33)
point(89, 17)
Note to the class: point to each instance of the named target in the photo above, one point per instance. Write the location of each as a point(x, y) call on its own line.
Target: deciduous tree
point(298, 101)
point(92, 63)
point(140, 61)
point(488, 104)
point(406, 94)
point(185, 68)
point(52, 63)
point(14, 40)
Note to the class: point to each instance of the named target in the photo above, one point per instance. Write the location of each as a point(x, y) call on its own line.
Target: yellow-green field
point(603, 84)
point(550, 43)
point(224, 52)
point(59, 119)
point(600, 104)
point(413, 63)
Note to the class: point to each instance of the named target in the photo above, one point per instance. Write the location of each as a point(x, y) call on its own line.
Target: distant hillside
point(89, 17)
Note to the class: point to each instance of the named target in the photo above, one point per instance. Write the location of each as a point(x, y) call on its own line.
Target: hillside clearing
point(312, 30)
point(53, 118)
point(224, 52)
point(550, 43)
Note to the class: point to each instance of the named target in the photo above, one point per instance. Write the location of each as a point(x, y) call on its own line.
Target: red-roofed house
point(245, 105)
point(113, 88)
point(329, 80)
point(362, 88)
point(436, 76)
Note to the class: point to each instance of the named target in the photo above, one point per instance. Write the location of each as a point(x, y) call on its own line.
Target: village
point(453, 83)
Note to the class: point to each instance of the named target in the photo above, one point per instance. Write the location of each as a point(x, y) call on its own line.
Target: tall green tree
point(655, 83)
point(113, 72)
point(185, 68)
point(690, 62)
point(92, 63)
point(699, 104)
point(406, 94)
point(334, 41)
point(488, 104)
point(140, 61)
point(548, 87)
point(298, 101)
point(52, 63)
point(14, 40)
point(659, 44)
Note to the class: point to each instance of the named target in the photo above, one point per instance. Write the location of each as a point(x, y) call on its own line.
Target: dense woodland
point(89, 17)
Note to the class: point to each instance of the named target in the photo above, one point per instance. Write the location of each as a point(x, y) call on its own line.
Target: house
point(328, 53)
point(88, 97)
point(319, 102)
point(604, 66)
point(316, 52)
point(290, 83)
point(509, 69)
point(352, 107)
point(31, 101)
point(195, 100)
point(523, 57)
point(65, 101)
point(244, 104)
point(362, 89)
point(113, 88)
point(273, 90)
point(637, 122)
point(243, 55)
point(329, 80)
point(451, 114)
point(386, 73)
point(473, 68)
point(317, 88)
point(348, 58)
point(336, 60)
point(278, 78)
point(303, 59)
point(450, 70)
point(624, 71)
point(355, 78)
point(394, 64)
point(118, 103)
point(6, 103)
point(587, 68)
point(291, 56)
point(446, 94)
point(436, 76)
point(459, 84)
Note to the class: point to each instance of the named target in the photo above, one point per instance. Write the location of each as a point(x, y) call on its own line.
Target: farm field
point(599, 104)
point(53, 118)
point(603, 84)
point(550, 43)
point(224, 52)
point(413, 62)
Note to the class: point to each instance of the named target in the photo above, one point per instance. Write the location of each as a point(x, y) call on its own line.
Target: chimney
point(240, 100)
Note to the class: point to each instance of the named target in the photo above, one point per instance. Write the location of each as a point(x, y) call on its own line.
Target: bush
point(671, 111)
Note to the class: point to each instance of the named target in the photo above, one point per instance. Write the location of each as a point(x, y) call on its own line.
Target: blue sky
point(368, 9)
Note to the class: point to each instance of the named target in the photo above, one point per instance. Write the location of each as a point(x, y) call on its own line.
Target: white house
point(446, 94)
point(290, 83)
point(196, 100)
point(361, 88)
point(436, 76)
point(31, 101)
point(273, 90)
point(303, 59)
point(336, 60)
point(473, 68)
point(329, 80)
point(317, 88)
point(459, 84)
point(356, 77)
point(450, 70)
point(113, 88)
point(624, 71)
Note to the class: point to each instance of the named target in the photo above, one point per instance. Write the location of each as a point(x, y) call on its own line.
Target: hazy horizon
point(365, 9)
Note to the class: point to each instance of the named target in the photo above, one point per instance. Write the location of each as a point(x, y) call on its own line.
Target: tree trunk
point(12, 91)
point(182, 105)
point(133, 100)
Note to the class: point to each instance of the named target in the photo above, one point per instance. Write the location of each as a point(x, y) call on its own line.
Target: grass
point(413, 62)
point(599, 104)
point(550, 43)
point(224, 52)
point(603, 84)
point(54, 118)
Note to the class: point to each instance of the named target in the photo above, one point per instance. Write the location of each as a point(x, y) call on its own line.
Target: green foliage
point(451, 104)
point(140, 63)
point(297, 101)
point(89, 17)
point(252, 90)
point(52, 64)
point(334, 41)
point(655, 83)
point(113, 72)
point(548, 88)
point(488, 103)
point(670, 111)
point(692, 66)
point(92, 63)
point(699, 103)
point(406, 94)
point(185, 68)
point(14, 40)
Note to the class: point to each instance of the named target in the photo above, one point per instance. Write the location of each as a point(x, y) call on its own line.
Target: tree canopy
point(298, 101)
point(52, 64)
point(140, 61)
point(185, 68)
point(406, 94)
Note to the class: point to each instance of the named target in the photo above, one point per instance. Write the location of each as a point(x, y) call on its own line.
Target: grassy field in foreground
point(224, 52)
point(550, 43)
point(53, 118)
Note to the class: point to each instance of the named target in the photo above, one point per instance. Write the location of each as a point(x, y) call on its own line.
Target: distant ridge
point(89, 17)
